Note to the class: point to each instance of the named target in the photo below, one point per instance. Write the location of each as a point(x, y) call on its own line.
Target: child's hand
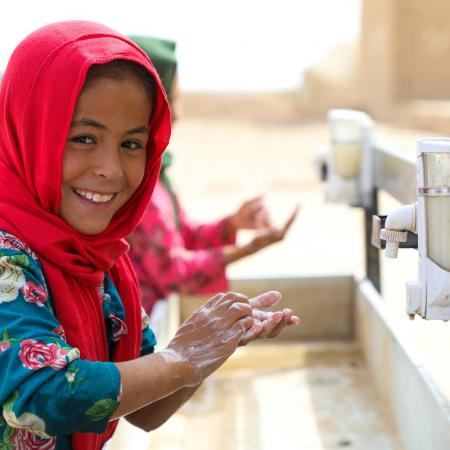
point(251, 215)
point(207, 338)
point(273, 234)
point(268, 324)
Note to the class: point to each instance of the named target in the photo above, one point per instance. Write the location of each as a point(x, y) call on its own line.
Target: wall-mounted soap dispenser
point(351, 171)
point(429, 297)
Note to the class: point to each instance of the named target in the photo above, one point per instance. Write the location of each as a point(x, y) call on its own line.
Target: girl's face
point(105, 153)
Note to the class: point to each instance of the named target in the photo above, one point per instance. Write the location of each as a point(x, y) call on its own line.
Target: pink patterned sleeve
point(208, 235)
point(164, 265)
point(187, 271)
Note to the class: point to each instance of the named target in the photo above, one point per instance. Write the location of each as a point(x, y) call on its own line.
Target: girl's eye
point(83, 140)
point(132, 145)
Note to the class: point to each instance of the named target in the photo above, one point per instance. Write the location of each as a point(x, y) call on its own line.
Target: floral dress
point(172, 254)
point(46, 391)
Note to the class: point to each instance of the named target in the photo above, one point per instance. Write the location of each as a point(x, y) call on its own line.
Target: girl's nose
point(109, 164)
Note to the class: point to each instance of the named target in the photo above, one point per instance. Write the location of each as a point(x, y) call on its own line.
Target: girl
point(83, 124)
point(170, 253)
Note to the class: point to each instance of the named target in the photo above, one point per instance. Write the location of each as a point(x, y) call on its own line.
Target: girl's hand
point(268, 324)
point(207, 338)
point(251, 215)
point(271, 235)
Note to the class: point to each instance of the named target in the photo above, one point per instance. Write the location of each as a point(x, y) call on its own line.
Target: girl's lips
point(93, 197)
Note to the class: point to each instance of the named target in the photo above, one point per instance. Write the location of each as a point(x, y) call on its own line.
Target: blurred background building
point(397, 71)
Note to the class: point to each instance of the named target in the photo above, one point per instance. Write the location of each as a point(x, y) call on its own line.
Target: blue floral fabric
point(46, 391)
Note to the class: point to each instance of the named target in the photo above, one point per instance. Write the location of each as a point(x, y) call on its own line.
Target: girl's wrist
point(233, 253)
point(179, 368)
point(232, 224)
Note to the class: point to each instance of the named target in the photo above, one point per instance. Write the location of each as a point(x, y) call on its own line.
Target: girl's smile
point(95, 198)
point(105, 154)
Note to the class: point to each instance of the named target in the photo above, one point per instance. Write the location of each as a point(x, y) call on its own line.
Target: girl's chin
point(89, 230)
point(88, 227)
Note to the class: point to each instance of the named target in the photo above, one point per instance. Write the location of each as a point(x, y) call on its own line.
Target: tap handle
point(378, 238)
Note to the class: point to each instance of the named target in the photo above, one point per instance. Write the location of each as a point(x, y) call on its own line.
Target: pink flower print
point(119, 327)
point(11, 242)
point(36, 355)
point(4, 346)
point(60, 332)
point(6, 342)
point(24, 439)
point(33, 293)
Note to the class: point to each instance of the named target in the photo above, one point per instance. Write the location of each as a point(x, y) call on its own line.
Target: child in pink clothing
point(169, 252)
point(174, 255)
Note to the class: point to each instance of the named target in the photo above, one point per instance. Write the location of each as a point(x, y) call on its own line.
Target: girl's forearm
point(148, 379)
point(154, 415)
point(233, 253)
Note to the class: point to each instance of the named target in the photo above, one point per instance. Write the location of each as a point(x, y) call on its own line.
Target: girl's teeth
point(98, 198)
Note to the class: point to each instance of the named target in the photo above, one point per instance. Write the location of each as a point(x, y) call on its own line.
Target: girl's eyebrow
point(93, 123)
point(88, 122)
point(141, 129)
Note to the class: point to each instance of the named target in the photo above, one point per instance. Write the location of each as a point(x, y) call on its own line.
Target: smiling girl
point(83, 124)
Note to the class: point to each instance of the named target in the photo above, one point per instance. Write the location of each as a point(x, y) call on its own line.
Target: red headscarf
point(38, 94)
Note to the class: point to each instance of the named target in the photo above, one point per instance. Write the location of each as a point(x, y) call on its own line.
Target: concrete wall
point(324, 304)
point(414, 404)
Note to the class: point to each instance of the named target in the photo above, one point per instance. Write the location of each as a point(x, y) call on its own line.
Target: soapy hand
point(210, 335)
point(267, 324)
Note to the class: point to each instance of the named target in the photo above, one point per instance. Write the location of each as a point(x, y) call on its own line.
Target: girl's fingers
point(240, 327)
point(211, 302)
point(294, 320)
point(265, 300)
point(289, 318)
point(271, 323)
point(248, 330)
point(229, 298)
point(247, 323)
point(238, 310)
point(261, 218)
point(276, 330)
point(252, 333)
point(261, 315)
point(255, 200)
point(290, 221)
